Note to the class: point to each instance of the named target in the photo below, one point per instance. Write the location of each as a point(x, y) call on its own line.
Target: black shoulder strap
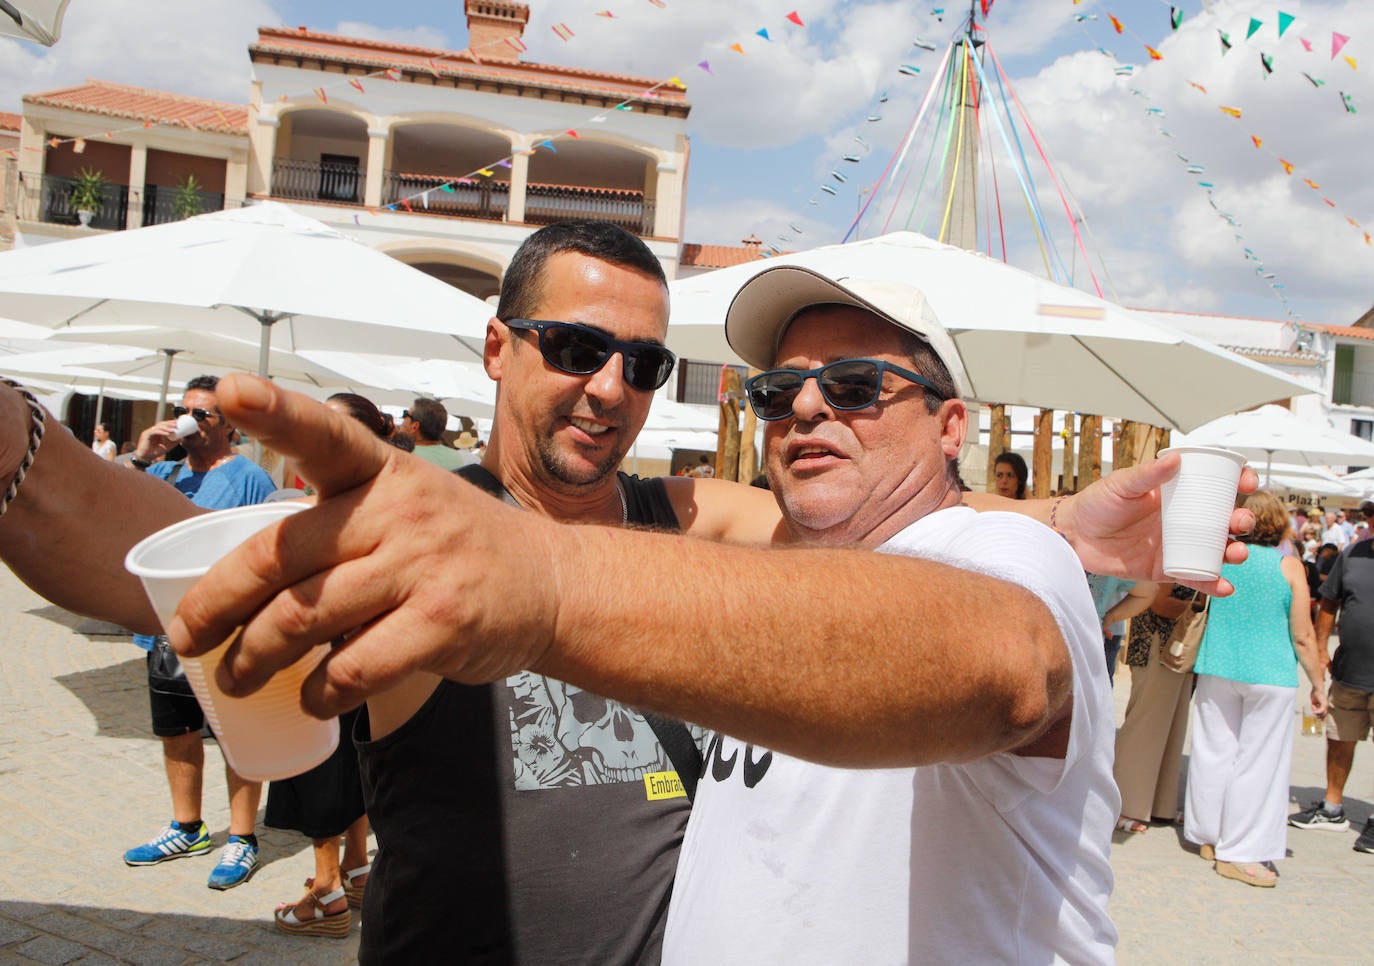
point(672, 734)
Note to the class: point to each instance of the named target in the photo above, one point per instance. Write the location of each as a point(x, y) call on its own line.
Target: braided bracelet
point(1054, 515)
point(35, 438)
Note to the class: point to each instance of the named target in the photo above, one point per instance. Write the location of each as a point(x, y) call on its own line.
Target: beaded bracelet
point(35, 439)
point(1054, 515)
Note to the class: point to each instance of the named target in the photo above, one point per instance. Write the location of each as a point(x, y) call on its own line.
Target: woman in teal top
point(1237, 798)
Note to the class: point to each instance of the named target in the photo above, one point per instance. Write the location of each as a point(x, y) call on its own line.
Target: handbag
point(165, 673)
point(1178, 653)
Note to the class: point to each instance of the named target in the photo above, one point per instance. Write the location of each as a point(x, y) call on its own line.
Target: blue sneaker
point(171, 843)
point(237, 862)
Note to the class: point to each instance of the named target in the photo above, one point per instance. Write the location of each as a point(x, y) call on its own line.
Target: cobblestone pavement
point(81, 780)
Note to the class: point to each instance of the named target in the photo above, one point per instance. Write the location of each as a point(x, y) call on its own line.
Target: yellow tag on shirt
point(659, 785)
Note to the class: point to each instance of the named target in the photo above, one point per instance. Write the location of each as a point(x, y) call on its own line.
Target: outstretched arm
point(74, 519)
point(827, 654)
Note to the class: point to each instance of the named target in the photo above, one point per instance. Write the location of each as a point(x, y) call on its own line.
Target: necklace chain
point(624, 504)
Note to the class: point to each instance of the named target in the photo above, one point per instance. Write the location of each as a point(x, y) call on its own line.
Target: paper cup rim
point(1203, 448)
point(283, 508)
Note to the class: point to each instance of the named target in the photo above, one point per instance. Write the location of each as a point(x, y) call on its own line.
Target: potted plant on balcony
point(186, 202)
point(88, 194)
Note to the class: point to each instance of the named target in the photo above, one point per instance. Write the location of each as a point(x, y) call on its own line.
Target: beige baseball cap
point(762, 310)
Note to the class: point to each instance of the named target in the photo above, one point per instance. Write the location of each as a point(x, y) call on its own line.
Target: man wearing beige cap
point(995, 851)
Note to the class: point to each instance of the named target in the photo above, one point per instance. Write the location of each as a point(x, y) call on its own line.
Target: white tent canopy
point(1273, 434)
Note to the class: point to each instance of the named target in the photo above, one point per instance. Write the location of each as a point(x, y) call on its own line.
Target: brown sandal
point(335, 925)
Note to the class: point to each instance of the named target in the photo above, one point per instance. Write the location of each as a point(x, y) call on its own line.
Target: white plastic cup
point(266, 735)
point(186, 425)
point(1196, 508)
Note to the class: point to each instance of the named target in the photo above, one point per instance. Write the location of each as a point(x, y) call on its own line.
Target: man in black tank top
point(530, 821)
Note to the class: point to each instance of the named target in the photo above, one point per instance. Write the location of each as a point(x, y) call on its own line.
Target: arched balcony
point(320, 156)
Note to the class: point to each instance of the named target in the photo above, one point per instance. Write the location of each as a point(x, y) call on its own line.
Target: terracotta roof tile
point(140, 104)
point(10, 122)
point(718, 256)
point(378, 53)
point(1344, 331)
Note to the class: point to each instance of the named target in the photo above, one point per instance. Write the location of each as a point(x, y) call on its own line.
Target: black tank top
point(520, 822)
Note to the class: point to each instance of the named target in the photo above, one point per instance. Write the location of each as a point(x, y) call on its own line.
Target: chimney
point(753, 241)
point(495, 28)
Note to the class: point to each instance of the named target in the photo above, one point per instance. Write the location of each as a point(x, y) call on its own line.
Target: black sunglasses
point(846, 385)
point(405, 414)
point(580, 350)
point(201, 415)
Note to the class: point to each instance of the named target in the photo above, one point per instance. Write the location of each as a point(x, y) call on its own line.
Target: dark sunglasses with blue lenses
point(580, 350)
point(845, 385)
point(201, 415)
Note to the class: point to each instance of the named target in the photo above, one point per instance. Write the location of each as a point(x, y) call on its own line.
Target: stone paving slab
point(81, 780)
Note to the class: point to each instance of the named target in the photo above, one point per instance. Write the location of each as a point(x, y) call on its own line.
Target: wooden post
point(727, 441)
point(997, 440)
point(1042, 456)
point(1162, 436)
point(748, 458)
point(1121, 444)
point(1068, 480)
point(1090, 450)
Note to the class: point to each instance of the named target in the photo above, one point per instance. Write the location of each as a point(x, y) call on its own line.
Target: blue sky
point(768, 127)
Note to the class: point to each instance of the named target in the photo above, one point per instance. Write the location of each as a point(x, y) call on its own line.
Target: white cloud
point(191, 48)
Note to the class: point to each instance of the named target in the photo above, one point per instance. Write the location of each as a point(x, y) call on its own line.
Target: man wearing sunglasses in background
point(212, 476)
point(425, 422)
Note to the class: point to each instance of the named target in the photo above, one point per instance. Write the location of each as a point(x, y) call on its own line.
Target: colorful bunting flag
point(1175, 18)
point(1225, 41)
point(677, 82)
point(1258, 141)
point(839, 176)
point(1233, 111)
point(605, 13)
point(706, 66)
point(909, 70)
point(424, 199)
point(1337, 42)
point(1198, 86)
point(624, 107)
point(547, 144)
point(827, 189)
point(1116, 24)
point(1351, 61)
point(516, 44)
point(796, 18)
point(1315, 82)
point(79, 146)
point(1287, 166)
point(738, 49)
point(1311, 184)
point(392, 73)
point(319, 92)
point(1285, 21)
point(406, 205)
point(563, 31)
point(357, 85)
point(763, 32)
point(486, 172)
point(1329, 202)
point(1254, 25)
point(1154, 54)
point(573, 134)
point(1267, 62)
point(1348, 101)
point(658, 3)
point(433, 67)
point(1306, 44)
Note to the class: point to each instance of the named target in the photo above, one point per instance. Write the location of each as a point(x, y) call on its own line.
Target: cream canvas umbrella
point(1022, 340)
point(1272, 433)
point(261, 274)
point(36, 20)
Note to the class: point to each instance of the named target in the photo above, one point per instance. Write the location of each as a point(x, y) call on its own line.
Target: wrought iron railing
point(48, 198)
point(547, 203)
point(163, 203)
point(296, 180)
point(437, 195)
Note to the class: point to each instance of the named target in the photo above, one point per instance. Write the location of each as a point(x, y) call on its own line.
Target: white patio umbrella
point(263, 274)
point(1311, 479)
point(36, 20)
point(1273, 433)
point(1023, 340)
point(463, 387)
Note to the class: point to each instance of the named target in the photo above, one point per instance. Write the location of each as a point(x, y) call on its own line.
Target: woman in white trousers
point(1237, 796)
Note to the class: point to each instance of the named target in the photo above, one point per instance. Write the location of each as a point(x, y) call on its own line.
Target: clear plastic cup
point(1196, 509)
point(266, 735)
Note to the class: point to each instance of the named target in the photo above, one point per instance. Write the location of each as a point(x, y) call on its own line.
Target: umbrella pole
point(1268, 464)
point(100, 402)
point(166, 378)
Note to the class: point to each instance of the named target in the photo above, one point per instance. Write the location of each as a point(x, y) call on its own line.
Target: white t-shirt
point(105, 450)
point(1005, 859)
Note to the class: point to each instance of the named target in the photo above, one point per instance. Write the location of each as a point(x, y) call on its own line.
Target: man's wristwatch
point(137, 463)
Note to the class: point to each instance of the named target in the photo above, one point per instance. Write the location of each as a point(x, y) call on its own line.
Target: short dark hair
point(523, 285)
point(205, 383)
point(431, 416)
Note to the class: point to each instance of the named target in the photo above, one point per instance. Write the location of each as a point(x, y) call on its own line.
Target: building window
point(1363, 428)
point(699, 382)
point(1343, 384)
